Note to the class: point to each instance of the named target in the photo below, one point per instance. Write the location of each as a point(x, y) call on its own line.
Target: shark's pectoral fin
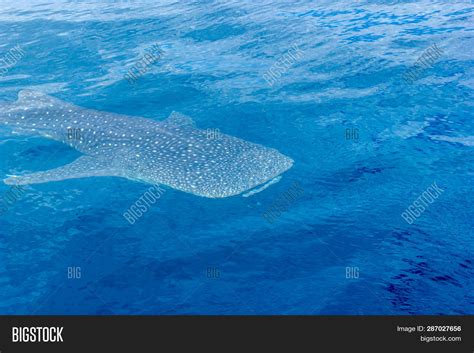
point(83, 167)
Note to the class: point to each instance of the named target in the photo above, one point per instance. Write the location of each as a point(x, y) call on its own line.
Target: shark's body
point(172, 152)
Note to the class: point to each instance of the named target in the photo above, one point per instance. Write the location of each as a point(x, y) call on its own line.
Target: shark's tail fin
point(27, 99)
point(8, 108)
point(30, 99)
point(4, 109)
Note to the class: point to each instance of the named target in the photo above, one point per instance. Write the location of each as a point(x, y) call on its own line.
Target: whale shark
point(171, 152)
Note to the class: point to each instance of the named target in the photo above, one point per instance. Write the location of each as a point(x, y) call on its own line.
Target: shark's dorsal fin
point(178, 119)
point(83, 167)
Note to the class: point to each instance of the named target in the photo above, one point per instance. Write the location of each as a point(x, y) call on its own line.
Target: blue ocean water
point(366, 145)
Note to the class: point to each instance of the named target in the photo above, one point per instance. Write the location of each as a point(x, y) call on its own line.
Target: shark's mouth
point(261, 188)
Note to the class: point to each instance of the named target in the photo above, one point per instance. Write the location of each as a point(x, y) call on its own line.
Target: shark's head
point(258, 166)
point(231, 176)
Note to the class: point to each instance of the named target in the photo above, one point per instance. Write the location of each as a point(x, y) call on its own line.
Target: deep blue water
point(193, 255)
